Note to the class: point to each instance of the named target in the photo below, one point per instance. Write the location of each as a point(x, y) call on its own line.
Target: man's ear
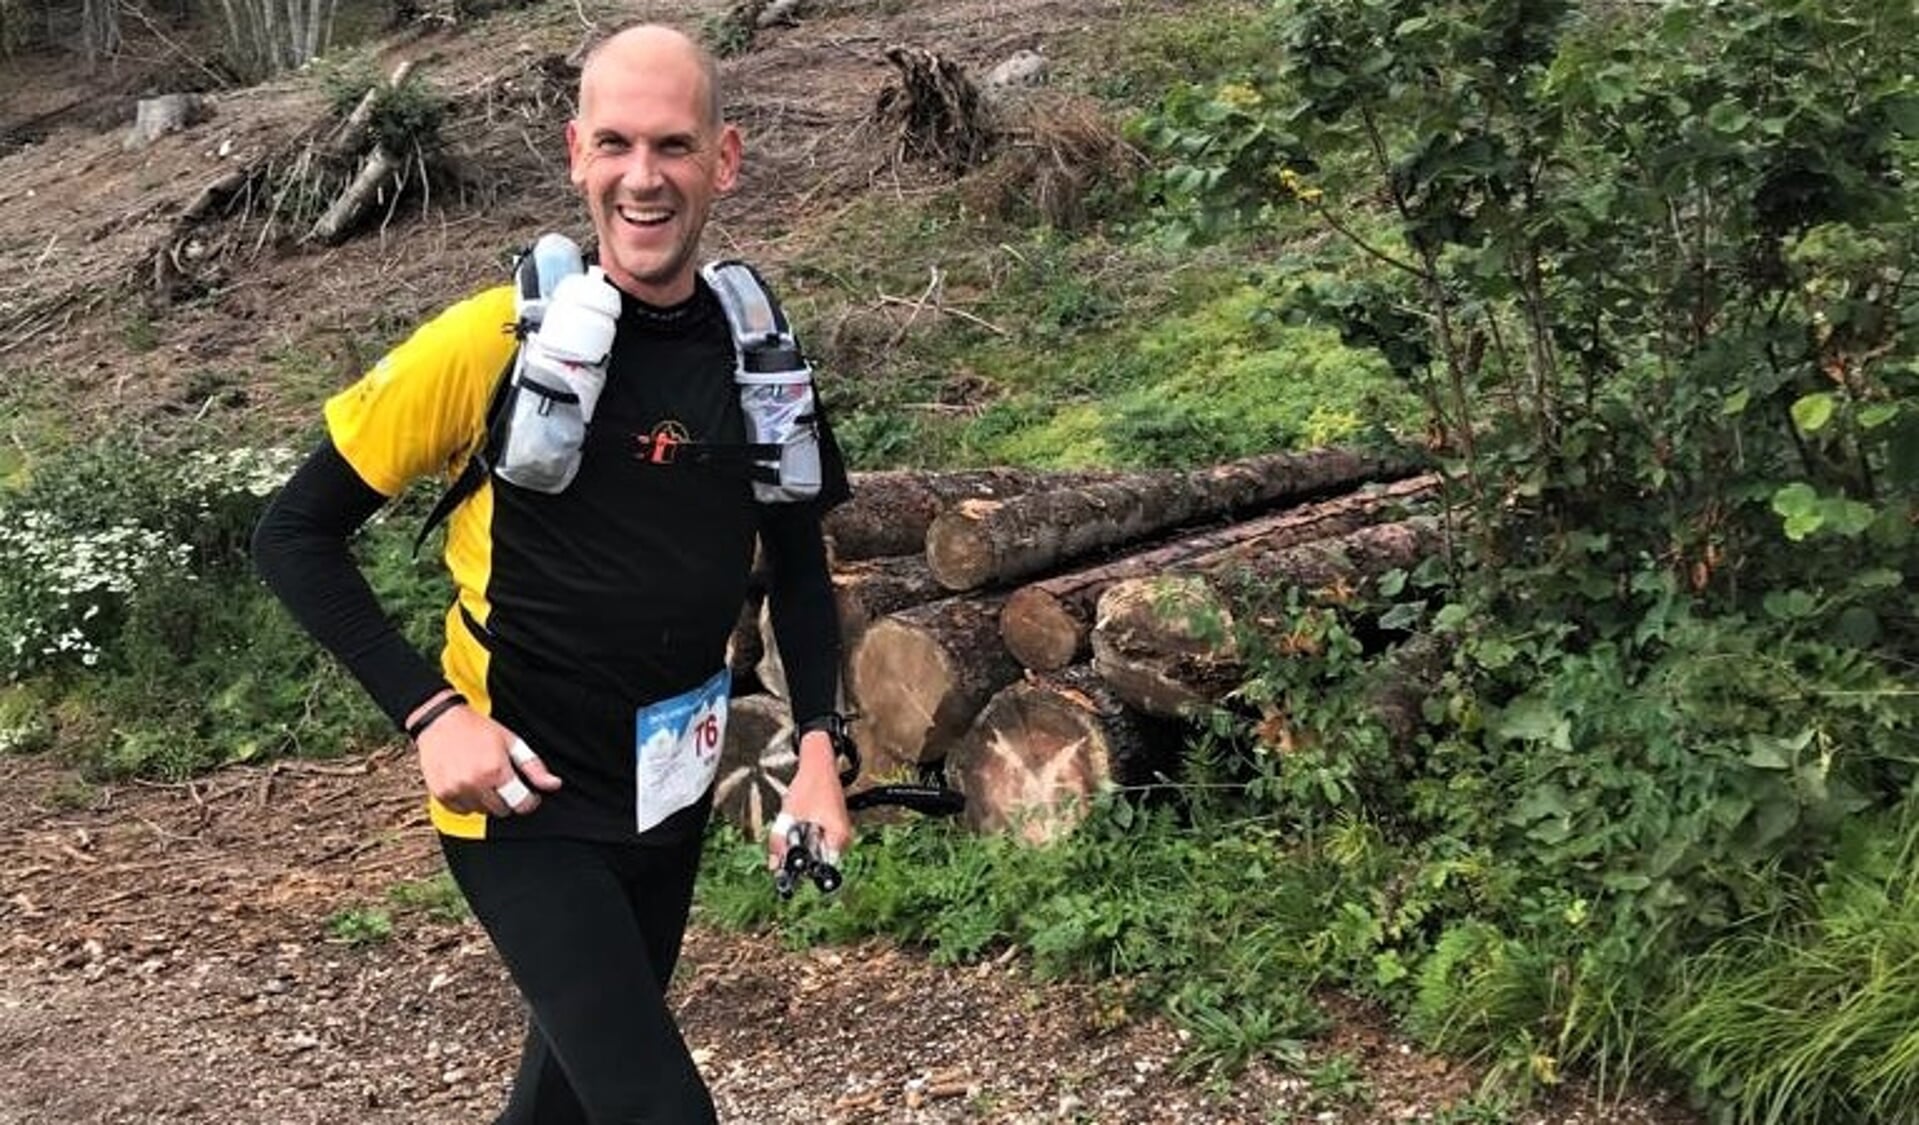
point(727, 174)
point(573, 169)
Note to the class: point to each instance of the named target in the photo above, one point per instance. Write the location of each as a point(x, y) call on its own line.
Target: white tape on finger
point(520, 752)
point(782, 823)
point(514, 793)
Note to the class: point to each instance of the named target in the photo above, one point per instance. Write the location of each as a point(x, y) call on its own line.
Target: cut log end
point(959, 555)
point(1032, 766)
point(904, 682)
point(1040, 631)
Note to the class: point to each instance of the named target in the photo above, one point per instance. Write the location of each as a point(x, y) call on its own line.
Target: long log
point(1046, 624)
point(978, 543)
point(757, 762)
point(1042, 749)
point(1167, 645)
point(890, 510)
point(376, 175)
point(867, 590)
point(920, 676)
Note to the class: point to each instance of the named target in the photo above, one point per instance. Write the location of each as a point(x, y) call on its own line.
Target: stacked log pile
point(1041, 636)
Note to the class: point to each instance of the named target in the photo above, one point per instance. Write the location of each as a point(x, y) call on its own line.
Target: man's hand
point(472, 764)
point(815, 796)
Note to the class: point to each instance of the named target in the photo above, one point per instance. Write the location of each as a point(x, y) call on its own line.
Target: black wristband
point(447, 703)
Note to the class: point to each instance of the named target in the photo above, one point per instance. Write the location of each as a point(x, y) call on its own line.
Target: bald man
point(564, 738)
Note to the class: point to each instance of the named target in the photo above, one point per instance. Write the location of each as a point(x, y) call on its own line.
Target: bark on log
point(891, 510)
point(1046, 624)
point(1397, 698)
point(870, 589)
point(757, 762)
point(920, 676)
point(1166, 645)
point(974, 544)
point(1042, 749)
point(376, 175)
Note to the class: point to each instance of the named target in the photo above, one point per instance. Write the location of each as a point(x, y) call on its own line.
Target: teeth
point(636, 215)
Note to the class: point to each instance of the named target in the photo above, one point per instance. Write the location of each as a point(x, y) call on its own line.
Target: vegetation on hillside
point(1640, 272)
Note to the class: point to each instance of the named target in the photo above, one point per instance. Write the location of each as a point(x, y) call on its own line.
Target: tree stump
point(936, 110)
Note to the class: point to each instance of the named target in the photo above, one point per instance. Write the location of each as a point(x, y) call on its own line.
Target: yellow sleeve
point(422, 405)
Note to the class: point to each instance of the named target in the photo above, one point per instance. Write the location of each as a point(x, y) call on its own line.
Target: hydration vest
point(533, 404)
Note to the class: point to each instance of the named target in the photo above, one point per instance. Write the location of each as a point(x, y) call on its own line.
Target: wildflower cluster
point(59, 584)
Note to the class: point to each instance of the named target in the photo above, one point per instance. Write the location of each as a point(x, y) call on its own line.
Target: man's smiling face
point(649, 154)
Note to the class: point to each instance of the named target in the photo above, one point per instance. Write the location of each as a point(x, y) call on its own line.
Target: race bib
point(676, 744)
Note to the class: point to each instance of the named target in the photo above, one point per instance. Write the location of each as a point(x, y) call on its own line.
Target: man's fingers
point(531, 766)
point(516, 796)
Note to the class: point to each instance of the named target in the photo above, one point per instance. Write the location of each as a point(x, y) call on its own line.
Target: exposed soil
point(171, 955)
point(165, 950)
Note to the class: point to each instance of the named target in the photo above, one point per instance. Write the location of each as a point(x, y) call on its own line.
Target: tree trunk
point(891, 510)
point(1042, 749)
point(1046, 624)
point(1167, 645)
point(872, 588)
point(757, 762)
point(919, 676)
point(971, 545)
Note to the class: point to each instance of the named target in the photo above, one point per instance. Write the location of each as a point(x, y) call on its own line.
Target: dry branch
point(1046, 624)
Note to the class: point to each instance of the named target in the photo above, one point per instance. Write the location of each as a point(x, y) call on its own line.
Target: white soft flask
point(557, 383)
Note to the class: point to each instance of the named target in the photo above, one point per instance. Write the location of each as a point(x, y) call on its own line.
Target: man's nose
point(642, 170)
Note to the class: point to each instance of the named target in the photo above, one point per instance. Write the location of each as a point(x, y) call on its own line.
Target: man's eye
point(611, 144)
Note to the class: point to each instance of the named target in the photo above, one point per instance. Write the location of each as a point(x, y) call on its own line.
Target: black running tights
point(590, 932)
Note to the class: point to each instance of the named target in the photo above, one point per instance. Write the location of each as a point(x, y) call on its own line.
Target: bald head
point(650, 47)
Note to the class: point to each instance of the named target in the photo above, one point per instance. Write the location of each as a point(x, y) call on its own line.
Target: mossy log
point(1168, 645)
point(1046, 624)
point(890, 510)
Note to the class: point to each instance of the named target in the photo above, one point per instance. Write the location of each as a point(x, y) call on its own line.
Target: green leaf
point(1790, 605)
point(1764, 752)
point(1846, 517)
point(1812, 412)
point(1736, 402)
point(1728, 117)
point(1403, 615)
point(1531, 719)
point(1877, 415)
